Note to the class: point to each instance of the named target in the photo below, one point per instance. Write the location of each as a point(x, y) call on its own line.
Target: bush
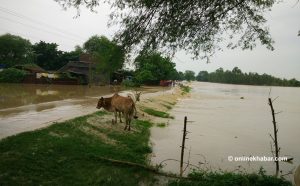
point(130, 83)
point(157, 113)
point(66, 75)
point(12, 75)
point(185, 89)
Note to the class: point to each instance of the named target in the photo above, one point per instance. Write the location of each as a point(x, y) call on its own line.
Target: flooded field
point(25, 107)
point(222, 124)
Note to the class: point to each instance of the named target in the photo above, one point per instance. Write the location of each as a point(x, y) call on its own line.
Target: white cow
point(135, 96)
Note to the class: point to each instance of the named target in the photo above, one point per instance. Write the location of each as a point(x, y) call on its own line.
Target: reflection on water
point(15, 95)
point(39, 108)
point(225, 125)
point(26, 107)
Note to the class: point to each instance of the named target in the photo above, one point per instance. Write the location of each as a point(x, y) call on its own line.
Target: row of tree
point(150, 66)
point(15, 50)
point(236, 76)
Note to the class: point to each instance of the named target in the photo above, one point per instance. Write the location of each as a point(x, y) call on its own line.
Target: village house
point(85, 71)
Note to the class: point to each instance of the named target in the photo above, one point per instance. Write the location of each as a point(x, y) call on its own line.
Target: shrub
point(66, 75)
point(130, 83)
point(12, 75)
point(157, 113)
point(185, 89)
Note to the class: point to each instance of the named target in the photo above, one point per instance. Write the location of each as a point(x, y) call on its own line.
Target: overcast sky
point(45, 20)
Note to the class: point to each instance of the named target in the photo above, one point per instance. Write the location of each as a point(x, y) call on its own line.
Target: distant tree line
point(236, 76)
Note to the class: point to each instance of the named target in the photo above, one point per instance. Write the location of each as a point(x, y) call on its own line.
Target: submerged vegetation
point(185, 89)
point(161, 125)
point(157, 113)
point(167, 106)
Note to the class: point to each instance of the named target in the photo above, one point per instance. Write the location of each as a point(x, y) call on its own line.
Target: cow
point(134, 96)
point(119, 104)
point(125, 105)
point(106, 104)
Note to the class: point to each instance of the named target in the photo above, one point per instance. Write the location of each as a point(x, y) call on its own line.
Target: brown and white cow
point(120, 104)
point(125, 105)
point(106, 104)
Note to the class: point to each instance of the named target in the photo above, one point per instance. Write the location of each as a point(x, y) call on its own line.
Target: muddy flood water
point(225, 125)
point(25, 107)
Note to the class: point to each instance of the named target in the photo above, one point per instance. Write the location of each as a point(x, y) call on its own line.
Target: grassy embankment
point(71, 152)
point(79, 152)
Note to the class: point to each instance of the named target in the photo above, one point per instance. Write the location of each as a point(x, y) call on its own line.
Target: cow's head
point(101, 103)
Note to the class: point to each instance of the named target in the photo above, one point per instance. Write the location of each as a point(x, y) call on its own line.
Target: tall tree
point(108, 55)
point(195, 26)
point(189, 75)
point(202, 76)
point(47, 55)
point(151, 67)
point(15, 50)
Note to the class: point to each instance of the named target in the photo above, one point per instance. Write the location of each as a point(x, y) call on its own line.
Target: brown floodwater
point(222, 124)
point(25, 107)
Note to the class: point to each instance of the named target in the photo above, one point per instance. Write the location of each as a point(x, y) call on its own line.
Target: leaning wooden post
point(182, 146)
point(277, 149)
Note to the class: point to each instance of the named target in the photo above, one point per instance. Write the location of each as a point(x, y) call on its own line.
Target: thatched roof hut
point(77, 67)
point(32, 68)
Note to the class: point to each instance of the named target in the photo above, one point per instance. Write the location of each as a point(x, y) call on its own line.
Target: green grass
point(170, 103)
point(208, 178)
point(185, 89)
point(157, 113)
point(63, 154)
point(161, 125)
point(167, 106)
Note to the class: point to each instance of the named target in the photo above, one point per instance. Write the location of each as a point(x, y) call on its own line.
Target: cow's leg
point(120, 116)
point(130, 120)
point(126, 120)
point(116, 119)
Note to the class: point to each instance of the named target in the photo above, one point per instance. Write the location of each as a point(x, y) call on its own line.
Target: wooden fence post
point(275, 140)
point(183, 146)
